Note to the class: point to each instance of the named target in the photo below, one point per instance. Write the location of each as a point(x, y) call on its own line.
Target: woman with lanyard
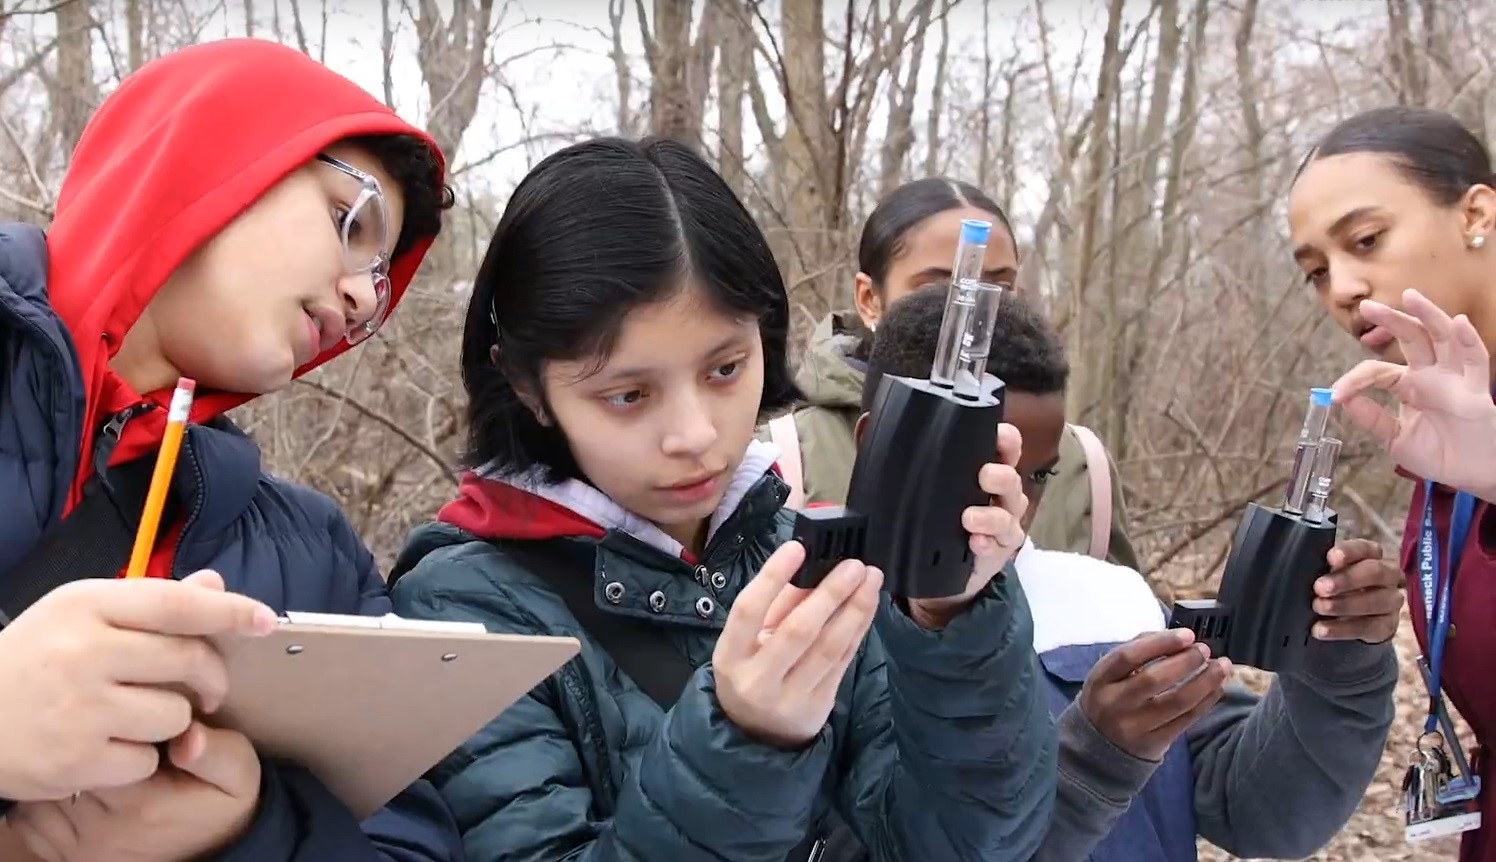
point(1389, 198)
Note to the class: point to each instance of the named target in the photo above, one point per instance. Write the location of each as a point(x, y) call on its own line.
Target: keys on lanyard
point(1436, 802)
point(1440, 794)
point(1425, 776)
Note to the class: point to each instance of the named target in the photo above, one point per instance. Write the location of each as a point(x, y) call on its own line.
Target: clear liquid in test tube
point(970, 311)
point(1316, 420)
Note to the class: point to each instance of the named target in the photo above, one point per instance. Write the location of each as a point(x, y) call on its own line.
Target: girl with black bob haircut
point(627, 330)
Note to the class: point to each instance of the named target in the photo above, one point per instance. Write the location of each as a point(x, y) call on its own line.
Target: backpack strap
point(93, 541)
point(638, 647)
point(786, 435)
point(1099, 469)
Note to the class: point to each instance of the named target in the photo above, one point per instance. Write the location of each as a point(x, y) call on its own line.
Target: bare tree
point(1143, 155)
point(621, 67)
point(1088, 387)
point(453, 54)
point(732, 90)
point(937, 94)
point(74, 90)
point(899, 139)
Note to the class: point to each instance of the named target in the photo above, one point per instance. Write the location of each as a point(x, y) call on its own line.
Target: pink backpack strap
point(1099, 467)
point(784, 434)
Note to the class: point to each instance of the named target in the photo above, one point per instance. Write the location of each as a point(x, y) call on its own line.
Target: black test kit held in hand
point(1265, 610)
point(918, 460)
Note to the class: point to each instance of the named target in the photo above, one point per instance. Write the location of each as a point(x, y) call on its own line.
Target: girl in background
point(908, 242)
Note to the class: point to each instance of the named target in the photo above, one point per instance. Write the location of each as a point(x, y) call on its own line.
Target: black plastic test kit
point(917, 463)
point(1264, 613)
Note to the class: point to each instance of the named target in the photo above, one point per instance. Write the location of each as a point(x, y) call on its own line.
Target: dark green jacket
point(939, 747)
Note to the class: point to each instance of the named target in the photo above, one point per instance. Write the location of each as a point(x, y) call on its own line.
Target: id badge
point(1436, 802)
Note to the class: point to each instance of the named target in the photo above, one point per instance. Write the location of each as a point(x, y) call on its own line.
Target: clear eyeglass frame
point(367, 214)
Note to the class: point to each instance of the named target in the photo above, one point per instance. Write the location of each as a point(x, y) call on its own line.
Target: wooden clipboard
point(369, 704)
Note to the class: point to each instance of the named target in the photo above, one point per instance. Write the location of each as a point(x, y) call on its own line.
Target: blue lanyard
point(1437, 582)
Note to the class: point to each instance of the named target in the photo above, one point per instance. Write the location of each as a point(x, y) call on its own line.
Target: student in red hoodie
point(239, 214)
point(1392, 198)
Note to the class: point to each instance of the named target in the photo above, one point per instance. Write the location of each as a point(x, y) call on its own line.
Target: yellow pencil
point(166, 464)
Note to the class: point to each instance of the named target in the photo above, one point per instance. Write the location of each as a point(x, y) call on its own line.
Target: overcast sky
point(573, 86)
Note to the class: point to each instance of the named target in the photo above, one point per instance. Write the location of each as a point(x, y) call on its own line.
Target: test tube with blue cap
point(1300, 480)
point(970, 312)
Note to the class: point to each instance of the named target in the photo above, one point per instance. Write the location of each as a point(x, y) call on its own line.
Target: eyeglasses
point(364, 230)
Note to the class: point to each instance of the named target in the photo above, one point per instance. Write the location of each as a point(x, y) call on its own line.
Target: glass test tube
point(1326, 456)
point(970, 309)
point(1315, 421)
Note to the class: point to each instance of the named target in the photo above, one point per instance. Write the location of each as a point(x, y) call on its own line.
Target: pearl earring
point(1477, 241)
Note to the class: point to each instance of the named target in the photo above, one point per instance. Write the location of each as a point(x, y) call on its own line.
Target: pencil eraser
point(187, 383)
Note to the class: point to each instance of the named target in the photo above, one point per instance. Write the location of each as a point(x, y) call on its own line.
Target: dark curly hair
point(413, 166)
point(1027, 353)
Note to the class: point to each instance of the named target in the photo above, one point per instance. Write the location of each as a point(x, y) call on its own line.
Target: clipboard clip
point(387, 622)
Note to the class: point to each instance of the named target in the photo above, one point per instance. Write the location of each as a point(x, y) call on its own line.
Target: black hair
point(889, 223)
point(594, 231)
point(413, 166)
point(1026, 354)
point(1432, 149)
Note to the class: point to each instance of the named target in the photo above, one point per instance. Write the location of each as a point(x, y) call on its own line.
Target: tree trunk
point(1128, 346)
point(300, 27)
point(1160, 100)
point(937, 98)
point(984, 146)
point(75, 92)
point(135, 32)
point(1088, 386)
point(807, 174)
point(732, 88)
point(452, 57)
point(899, 138)
point(1403, 63)
point(387, 52)
point(1250, 97)
point(669, 89)
point(622, 70)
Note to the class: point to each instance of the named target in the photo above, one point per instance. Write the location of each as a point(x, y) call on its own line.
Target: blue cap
point(1320, 397)
point(975, 231)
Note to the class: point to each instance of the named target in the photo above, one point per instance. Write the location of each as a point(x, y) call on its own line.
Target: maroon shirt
point(1470, 650)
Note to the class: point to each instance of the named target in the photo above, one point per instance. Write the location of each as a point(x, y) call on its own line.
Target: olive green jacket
point(832, 382)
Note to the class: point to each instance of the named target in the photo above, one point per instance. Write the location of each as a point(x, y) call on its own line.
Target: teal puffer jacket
point(940, 748)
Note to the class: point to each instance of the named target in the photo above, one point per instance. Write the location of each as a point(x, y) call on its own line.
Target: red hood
point(494, 509)
point(172, 156)
point(498, 508)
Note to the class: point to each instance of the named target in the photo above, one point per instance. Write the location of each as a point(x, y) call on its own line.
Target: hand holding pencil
point(100, 671)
